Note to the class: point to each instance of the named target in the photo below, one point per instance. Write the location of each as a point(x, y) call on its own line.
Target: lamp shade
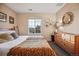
point(60, 28)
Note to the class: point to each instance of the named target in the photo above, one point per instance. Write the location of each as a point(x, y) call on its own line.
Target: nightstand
point(52, 38)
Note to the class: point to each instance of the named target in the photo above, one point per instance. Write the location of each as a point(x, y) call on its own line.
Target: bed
point(32, 47)
point(26, 46)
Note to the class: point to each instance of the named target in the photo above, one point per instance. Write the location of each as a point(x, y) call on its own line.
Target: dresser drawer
point(69, 47)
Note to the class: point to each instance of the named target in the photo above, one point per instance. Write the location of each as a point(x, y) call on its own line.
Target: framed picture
point(3, 17)
point(11, 20)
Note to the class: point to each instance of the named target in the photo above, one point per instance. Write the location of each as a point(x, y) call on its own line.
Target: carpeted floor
point(59, 51)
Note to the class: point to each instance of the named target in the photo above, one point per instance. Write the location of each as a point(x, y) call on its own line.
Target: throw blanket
point(31, 52)
point(37, 47)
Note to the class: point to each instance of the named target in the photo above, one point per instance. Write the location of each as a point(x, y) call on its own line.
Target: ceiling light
point(30, 9)
point(59, 4)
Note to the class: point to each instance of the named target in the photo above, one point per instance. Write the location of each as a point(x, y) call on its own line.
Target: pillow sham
point(6, 36)
point(14, 35)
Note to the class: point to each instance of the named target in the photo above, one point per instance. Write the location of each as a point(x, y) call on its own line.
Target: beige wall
point(9, 12)
point(74, 8)
point(23, 23)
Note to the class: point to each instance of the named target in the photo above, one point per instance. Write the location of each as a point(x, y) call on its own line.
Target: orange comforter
point(32, 47)
point(17, 51)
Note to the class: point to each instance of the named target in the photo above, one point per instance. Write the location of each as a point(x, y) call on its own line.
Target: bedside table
point(52, 38)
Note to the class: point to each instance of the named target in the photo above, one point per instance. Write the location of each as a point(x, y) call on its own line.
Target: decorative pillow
point(6, 36)
point(14, 35)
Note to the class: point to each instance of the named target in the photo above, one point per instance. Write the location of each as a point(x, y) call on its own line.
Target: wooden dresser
point(69, 42)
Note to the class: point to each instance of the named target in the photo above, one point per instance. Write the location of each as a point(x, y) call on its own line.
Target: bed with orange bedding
point(32, 47)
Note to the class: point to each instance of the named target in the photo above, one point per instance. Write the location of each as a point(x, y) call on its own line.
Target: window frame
point(40, 27)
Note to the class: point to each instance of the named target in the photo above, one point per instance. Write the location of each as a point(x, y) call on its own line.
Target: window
point(34, 26)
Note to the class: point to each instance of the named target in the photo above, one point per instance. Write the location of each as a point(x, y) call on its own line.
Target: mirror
point(67, 18)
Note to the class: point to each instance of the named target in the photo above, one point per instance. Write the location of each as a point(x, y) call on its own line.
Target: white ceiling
point(36, 7)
